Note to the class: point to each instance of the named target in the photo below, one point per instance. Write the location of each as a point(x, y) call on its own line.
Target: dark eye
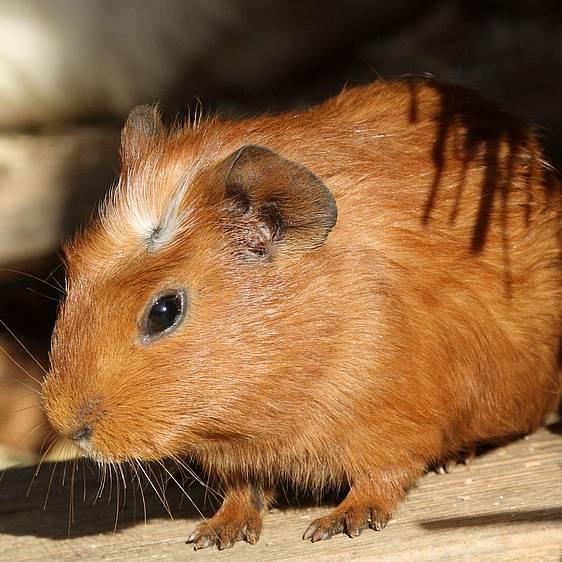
point(163, 315)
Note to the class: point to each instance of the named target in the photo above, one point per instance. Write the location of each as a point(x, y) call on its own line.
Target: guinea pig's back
point(453, 195)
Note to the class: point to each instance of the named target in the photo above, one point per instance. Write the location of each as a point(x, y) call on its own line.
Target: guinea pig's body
point(427, 319)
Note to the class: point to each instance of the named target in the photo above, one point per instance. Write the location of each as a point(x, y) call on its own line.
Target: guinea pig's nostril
point(83, 434)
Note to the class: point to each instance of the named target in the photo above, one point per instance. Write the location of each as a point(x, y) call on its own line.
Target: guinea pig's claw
point(202, 538)
point(448, 463)
point(226, 544)
point(350, 522)
point(224, 534)
point(316, 533)
point(202, 541)
point(443, 468)
point(378, 524)
point(191, 538)
point(252, 536)
point(469, 456)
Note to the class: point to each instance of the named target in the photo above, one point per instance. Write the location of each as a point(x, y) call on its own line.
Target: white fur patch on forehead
point(142, 213)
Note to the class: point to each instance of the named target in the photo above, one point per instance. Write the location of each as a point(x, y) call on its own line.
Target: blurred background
point(70, 70)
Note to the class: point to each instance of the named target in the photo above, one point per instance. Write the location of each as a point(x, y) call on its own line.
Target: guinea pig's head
point(171, 334)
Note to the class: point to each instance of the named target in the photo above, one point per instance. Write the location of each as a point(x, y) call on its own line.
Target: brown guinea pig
point(341, 296)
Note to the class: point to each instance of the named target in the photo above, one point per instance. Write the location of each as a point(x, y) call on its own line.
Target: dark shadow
point(481, 450)
point(331, 54)
point(555, 427)
point(476, 136)
point(24, 514)
point(28, 305)
point(500, 518)
point(475, 132)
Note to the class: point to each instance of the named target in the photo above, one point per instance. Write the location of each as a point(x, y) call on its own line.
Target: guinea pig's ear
point(272, 203)
point(142, 128)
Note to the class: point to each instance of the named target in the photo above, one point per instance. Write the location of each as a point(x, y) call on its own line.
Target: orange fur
point(427, 321)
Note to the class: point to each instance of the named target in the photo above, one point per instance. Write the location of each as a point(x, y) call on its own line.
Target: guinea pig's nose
point(82, 434)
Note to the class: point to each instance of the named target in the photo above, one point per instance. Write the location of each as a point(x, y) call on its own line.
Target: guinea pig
point(338, 297)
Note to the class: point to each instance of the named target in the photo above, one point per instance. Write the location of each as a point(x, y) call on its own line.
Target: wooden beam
point(49, 185)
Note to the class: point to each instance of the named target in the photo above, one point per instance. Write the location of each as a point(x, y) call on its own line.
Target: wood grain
point(508, 506)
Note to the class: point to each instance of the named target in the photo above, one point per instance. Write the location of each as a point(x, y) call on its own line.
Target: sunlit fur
point(428, 321)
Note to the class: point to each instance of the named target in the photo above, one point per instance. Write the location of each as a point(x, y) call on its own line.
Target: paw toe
point(351, 522)
point(201, 541)
point(223, 535)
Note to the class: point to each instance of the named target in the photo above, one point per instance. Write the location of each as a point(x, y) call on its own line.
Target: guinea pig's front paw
point(349, 520)
point(224, 530)
point(238, 519)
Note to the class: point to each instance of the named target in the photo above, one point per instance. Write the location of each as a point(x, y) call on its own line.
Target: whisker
point(19, 410)
point(183, 481)
point(197, 478)
point(123, 479)
point(65, 465)
point(110, 473)
point(55, 464)
point(71, 498)
point(160, 479)
point(29, 387)
point(32, 277)
point(41, 459)
point(186, 495)
point(141, 490)
point(24, 348)
point(130, 467)
point(49, 485)
point(118, 490)
point(101, 487)
point(208, 488)
point(120, 467)
point(54, 278)
point(32, 430)
point(42, 447)
point(162, 500)
point(83, 479)
point(104, 476)
point(42, 295)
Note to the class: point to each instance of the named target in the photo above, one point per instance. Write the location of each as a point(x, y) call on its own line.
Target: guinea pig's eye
point(163, 315)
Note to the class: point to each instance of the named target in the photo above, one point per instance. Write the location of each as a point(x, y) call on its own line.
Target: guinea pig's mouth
point(82, 435)
point(102, 445)
point(91, 451)
point(81, 438)
point(87, 450)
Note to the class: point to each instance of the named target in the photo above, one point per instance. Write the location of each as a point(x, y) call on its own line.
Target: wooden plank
point(49, 184)
point(508, 506)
